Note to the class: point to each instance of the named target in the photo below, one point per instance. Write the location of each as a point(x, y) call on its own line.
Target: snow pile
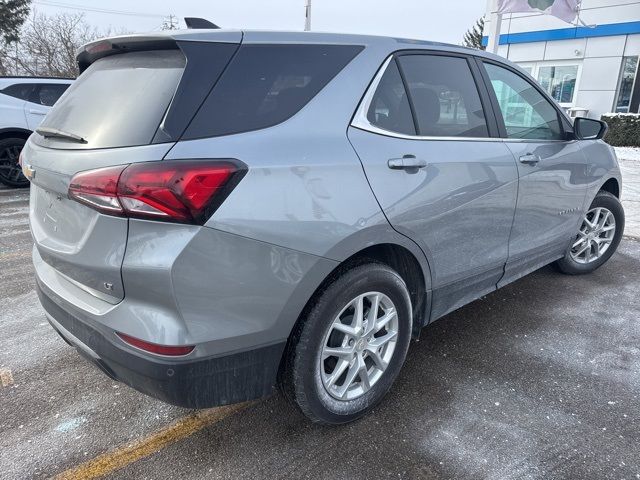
point(631, 115)
point(628, 153)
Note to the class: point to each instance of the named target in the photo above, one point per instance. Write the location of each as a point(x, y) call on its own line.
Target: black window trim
point(360, 121)
point(563, 119)
point(183, 112)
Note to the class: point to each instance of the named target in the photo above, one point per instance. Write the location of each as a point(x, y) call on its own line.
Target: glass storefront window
point(625, 87)
point(559, 81)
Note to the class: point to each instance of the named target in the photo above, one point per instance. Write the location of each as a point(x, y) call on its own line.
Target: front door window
point(526, 112)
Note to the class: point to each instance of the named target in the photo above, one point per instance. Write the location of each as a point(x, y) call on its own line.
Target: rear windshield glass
point(118, 101)
point(266, 84)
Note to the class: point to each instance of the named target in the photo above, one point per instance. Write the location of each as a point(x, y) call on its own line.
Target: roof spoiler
point(91, 52)
point(199, 23)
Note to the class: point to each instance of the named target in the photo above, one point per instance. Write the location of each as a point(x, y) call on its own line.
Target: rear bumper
point(197, 383)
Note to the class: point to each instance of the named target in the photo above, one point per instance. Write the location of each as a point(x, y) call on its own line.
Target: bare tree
point(48, 44)
point(171, 22)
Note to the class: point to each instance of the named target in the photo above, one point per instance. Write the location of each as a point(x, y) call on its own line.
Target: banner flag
point(566, 10)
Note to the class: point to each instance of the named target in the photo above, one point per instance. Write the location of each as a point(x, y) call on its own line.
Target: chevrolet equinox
point(218, 212)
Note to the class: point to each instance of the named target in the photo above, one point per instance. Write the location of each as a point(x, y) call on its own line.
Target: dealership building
point(592, 68)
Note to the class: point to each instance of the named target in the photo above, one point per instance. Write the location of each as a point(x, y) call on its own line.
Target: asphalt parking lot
point(538, 380)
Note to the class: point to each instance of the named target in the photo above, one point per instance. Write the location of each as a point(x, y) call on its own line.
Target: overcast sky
point(438, 20)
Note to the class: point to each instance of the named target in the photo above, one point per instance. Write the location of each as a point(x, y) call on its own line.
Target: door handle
point(529, 159)
point(38, 112)
point(408, 162)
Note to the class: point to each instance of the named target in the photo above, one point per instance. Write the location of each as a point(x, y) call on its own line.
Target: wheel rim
point(595, 236)
point(9, 167)
point(358, 346)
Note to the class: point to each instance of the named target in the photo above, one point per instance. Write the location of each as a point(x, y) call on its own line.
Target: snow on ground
point(628, 153)
point(629, 159)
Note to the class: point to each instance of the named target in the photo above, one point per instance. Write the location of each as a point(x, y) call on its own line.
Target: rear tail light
point(172, 190)
point(169, 350)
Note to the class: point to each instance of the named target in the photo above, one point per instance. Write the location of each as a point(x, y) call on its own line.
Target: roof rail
point(199, 23)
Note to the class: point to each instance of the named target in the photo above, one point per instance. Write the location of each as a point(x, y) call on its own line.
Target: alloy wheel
point(358, 346)
point(10, 170)
point(596, 233)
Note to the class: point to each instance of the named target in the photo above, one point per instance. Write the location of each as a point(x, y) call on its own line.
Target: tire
point(10, 171)
point(571, 264)
point(304, 374)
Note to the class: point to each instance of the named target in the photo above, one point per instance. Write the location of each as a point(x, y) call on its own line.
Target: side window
point(389, 108)
point(48, 94)
point(19, 90)
point(527, 113)
point(445, 99)
point(266, 84)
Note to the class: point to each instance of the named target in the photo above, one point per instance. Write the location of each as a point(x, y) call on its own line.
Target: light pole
point(494, 26)
point(307, 17)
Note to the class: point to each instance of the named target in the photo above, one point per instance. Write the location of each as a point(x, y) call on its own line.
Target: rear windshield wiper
point(47, 132)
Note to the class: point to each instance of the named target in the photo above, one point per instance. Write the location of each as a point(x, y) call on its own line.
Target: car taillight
point(98, 189)
point(186, 191)
point(171, 350)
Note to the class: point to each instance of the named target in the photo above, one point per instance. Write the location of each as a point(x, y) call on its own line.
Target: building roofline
point(603, 30)
point(33, 77)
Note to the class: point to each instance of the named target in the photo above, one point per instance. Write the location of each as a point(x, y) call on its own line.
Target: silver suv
point(217, 212)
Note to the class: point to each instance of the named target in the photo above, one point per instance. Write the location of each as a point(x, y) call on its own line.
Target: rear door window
point(444, 96)
point(389, 108)
point(48, 93)
point(118, 101)
point(266, 84)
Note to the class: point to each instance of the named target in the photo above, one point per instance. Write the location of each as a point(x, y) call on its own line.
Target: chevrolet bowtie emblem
point(28, 171)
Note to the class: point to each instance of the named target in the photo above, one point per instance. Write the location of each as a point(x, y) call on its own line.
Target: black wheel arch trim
point(22, 132)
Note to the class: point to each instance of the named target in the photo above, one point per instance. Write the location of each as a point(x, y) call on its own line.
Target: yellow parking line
point(18, 254)
point(121, 457)
point(6, 377)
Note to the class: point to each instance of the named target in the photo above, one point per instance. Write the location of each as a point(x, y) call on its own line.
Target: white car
point(24, 102)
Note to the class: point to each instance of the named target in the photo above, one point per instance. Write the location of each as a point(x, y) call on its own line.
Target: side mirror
point(589, 129)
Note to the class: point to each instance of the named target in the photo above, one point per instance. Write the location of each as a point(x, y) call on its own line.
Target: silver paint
point(317, 191)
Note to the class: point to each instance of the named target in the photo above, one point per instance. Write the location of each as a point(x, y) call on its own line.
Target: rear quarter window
point(21, 91)
point(266, 84)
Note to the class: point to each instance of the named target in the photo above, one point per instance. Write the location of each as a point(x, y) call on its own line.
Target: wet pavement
point(538, 380)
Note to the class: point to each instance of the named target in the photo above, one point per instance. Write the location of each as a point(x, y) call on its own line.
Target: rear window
point(266, 84)
point(119, 100)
